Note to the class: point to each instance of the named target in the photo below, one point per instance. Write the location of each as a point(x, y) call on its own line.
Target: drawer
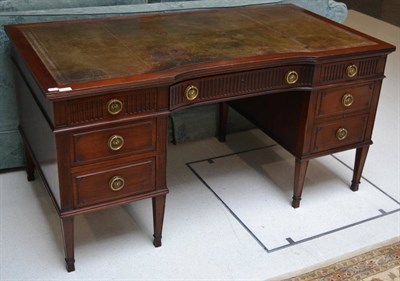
point(239, 84)
point(338, 133)
point(115, 141)
point(344, 100)
point(114, 183)
point(351, 70)
point(108, 107)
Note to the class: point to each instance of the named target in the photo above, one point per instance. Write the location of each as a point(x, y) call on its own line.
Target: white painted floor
point(239, 226)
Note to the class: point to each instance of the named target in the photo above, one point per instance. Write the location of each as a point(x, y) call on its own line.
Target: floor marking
point(290, 240)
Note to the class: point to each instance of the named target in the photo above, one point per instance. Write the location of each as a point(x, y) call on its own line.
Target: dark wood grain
point(240, 57)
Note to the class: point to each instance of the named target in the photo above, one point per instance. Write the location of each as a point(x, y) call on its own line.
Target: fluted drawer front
point(343, 100)
point(338, 133)
point(114, 183)
point(351, 70)
point(114, 141)
point(109, 107)
point(239, 84)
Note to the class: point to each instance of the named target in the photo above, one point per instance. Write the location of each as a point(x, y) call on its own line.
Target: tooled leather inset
point(123, 47)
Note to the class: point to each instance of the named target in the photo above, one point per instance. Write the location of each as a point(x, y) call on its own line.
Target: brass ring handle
point(191, 93)
point(341, 134)
point(292, 77)
point(115, 142)
point(114, 106)
point(116, 183)
point(351, 70)
point(347, 100)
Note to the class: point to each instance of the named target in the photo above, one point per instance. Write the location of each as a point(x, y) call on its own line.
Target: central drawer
point(114, 183)
point(115, 141)
point(239, 84)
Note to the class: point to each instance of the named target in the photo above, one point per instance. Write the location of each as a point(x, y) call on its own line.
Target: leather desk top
point(162, 46)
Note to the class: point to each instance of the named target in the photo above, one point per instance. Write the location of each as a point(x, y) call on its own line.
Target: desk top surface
point(76, 52)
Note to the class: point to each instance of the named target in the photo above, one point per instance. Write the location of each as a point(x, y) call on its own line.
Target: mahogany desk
point(94, 95)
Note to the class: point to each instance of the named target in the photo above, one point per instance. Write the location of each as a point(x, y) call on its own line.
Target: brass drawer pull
point(191, 92)
point(347, 100)
point(114, 106)
point(115, 142)
point(116, 183)
point(341, 134)
point(292, 77)
point(351, 70)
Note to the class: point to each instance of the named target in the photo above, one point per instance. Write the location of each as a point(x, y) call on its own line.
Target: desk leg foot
point(29, 166)
point(157, 242)
point(354, 186)
point(299, 176)
point(70, 265)
point(361, 156)
point(296, 202)
point(158, 218)
point(67, 225)
point(223, 119)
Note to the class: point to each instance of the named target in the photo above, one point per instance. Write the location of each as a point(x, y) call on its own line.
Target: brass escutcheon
point(341, 134)
point(116, 183)
point(115, 142)
point(114, 106)
point(191, 93)
point(351, 70)
point(292, 77)
point(347, 100)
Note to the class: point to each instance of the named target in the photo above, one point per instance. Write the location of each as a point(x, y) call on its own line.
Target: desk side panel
point(38, 136)
point(20, 66)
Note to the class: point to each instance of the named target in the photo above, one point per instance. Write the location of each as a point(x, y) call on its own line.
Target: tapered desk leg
point(29, 165)
point(361, 156)
point(158, 218)
point(223, 119)
point(299, 176)
point(68, 237)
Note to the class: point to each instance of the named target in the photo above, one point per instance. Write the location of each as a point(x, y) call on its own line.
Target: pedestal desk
point(94, 95)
